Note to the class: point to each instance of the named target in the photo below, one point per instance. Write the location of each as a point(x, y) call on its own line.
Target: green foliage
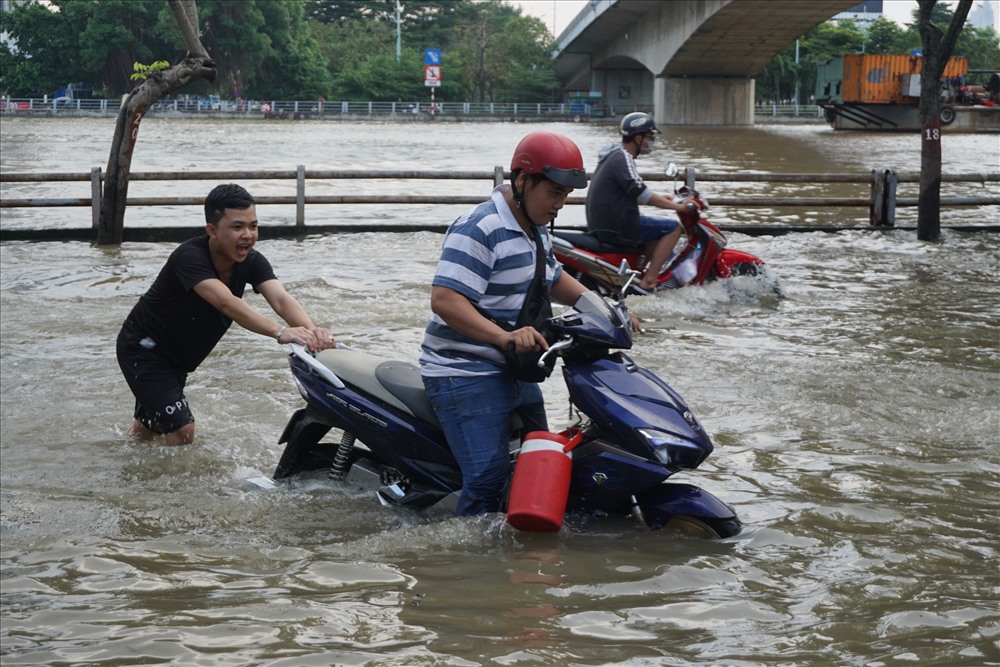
point(82, 40)
point(981, 46)
point(361, 57)
point(490, 52)
point(287, 49)
point(885, 36)
point(37, 64)
point(262, 47)
point(143, 72)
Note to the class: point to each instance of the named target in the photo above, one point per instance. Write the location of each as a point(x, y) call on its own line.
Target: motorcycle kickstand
point(340, 461)
point(636, 512)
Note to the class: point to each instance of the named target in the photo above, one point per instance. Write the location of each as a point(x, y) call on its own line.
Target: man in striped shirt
point(487, 264)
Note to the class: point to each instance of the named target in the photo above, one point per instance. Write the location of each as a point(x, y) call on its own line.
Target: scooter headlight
point(673, 451)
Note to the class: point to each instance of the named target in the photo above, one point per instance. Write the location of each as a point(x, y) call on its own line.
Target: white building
point(983, 14)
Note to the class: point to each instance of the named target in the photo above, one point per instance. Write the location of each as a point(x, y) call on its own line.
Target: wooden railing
point(879, 197)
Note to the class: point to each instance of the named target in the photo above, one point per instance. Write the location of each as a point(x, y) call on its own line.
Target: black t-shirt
point(184, 326)
point(612, 206)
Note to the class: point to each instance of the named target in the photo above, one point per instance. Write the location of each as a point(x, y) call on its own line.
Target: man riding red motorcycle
point(616, 191)
point(595, 258)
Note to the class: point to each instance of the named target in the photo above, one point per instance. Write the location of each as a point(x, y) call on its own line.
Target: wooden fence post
point(876, 209)
point(883, 207)
point(891, 181)
point(95, 196)
point(300, 197)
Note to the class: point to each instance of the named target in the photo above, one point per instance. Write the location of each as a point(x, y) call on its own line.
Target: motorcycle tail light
point(672, 451)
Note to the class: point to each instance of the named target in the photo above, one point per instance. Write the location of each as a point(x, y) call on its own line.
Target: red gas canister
point(540, 486)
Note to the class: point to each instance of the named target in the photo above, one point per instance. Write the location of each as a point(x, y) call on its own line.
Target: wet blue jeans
point(653, 227)
point(475, 414)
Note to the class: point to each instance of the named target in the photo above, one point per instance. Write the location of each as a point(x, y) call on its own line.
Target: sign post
point(432, 73)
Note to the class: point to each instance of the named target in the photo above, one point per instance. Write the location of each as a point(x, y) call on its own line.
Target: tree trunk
point(195, 66)
point(937, 51)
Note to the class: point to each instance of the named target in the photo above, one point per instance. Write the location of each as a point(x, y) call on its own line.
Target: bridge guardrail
point(880, 199)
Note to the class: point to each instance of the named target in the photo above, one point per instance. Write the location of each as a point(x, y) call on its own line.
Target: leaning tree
point(938, 47)
point(196, 65)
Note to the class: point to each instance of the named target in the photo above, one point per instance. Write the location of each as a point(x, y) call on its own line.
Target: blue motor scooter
point(634, 431)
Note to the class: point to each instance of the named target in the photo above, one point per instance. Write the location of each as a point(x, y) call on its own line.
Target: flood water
point(855, 420)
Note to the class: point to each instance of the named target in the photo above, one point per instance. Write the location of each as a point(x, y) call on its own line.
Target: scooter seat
point(397, 383)
point(590, 243)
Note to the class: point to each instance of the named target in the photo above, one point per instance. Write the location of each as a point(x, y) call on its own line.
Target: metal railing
point(878, 194)
point(320, 109)
point(789, 111)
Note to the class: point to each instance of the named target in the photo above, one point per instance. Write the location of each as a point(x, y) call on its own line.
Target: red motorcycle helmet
point(552, 155)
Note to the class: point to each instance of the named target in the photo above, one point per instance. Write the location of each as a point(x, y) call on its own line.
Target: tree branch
point(957, 23)
point(197, 65)
point(186, 17)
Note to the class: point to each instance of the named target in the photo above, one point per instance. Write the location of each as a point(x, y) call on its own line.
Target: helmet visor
point(570, 178)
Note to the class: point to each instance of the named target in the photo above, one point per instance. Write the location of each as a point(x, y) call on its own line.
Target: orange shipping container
point(878, 79)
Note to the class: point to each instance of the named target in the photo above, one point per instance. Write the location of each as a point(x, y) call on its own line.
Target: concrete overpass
point(693, 61)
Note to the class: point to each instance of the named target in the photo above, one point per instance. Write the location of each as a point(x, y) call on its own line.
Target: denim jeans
point(475, 414)
point(653, 227)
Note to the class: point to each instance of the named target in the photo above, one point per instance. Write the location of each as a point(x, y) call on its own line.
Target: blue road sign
point(432, 56)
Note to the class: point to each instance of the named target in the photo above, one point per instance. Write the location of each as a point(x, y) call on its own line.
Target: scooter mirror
point(627, 274)
point(671, 171)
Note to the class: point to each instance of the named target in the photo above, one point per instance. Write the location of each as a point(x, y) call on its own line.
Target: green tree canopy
point(490, 52)
point(80, 40)
point(263, 47)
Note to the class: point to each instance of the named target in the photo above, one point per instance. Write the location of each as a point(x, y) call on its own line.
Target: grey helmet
point(637, 123)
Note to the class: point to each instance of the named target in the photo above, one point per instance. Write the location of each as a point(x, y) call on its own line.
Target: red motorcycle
point(597, 262)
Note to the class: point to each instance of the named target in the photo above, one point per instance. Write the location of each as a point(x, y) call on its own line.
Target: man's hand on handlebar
point(525, 339)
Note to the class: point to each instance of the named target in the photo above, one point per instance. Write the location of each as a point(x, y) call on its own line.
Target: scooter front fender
point(730, 258)
point(664, 502)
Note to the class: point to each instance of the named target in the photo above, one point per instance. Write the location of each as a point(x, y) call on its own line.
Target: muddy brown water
point(855, 422)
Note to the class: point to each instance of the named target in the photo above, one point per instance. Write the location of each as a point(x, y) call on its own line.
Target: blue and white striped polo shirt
point(490, 260)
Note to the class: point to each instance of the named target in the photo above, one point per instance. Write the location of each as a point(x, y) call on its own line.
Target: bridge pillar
point(703, 101)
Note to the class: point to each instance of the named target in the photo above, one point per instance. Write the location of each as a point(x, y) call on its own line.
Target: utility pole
point(399, 21)
point(796, 77)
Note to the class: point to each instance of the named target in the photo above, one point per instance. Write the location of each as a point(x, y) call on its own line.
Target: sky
point(560, 12)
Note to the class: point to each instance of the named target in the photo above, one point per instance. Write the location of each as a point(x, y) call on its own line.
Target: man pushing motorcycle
point(616, 191)
point(486, 310)
point(197, 295)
